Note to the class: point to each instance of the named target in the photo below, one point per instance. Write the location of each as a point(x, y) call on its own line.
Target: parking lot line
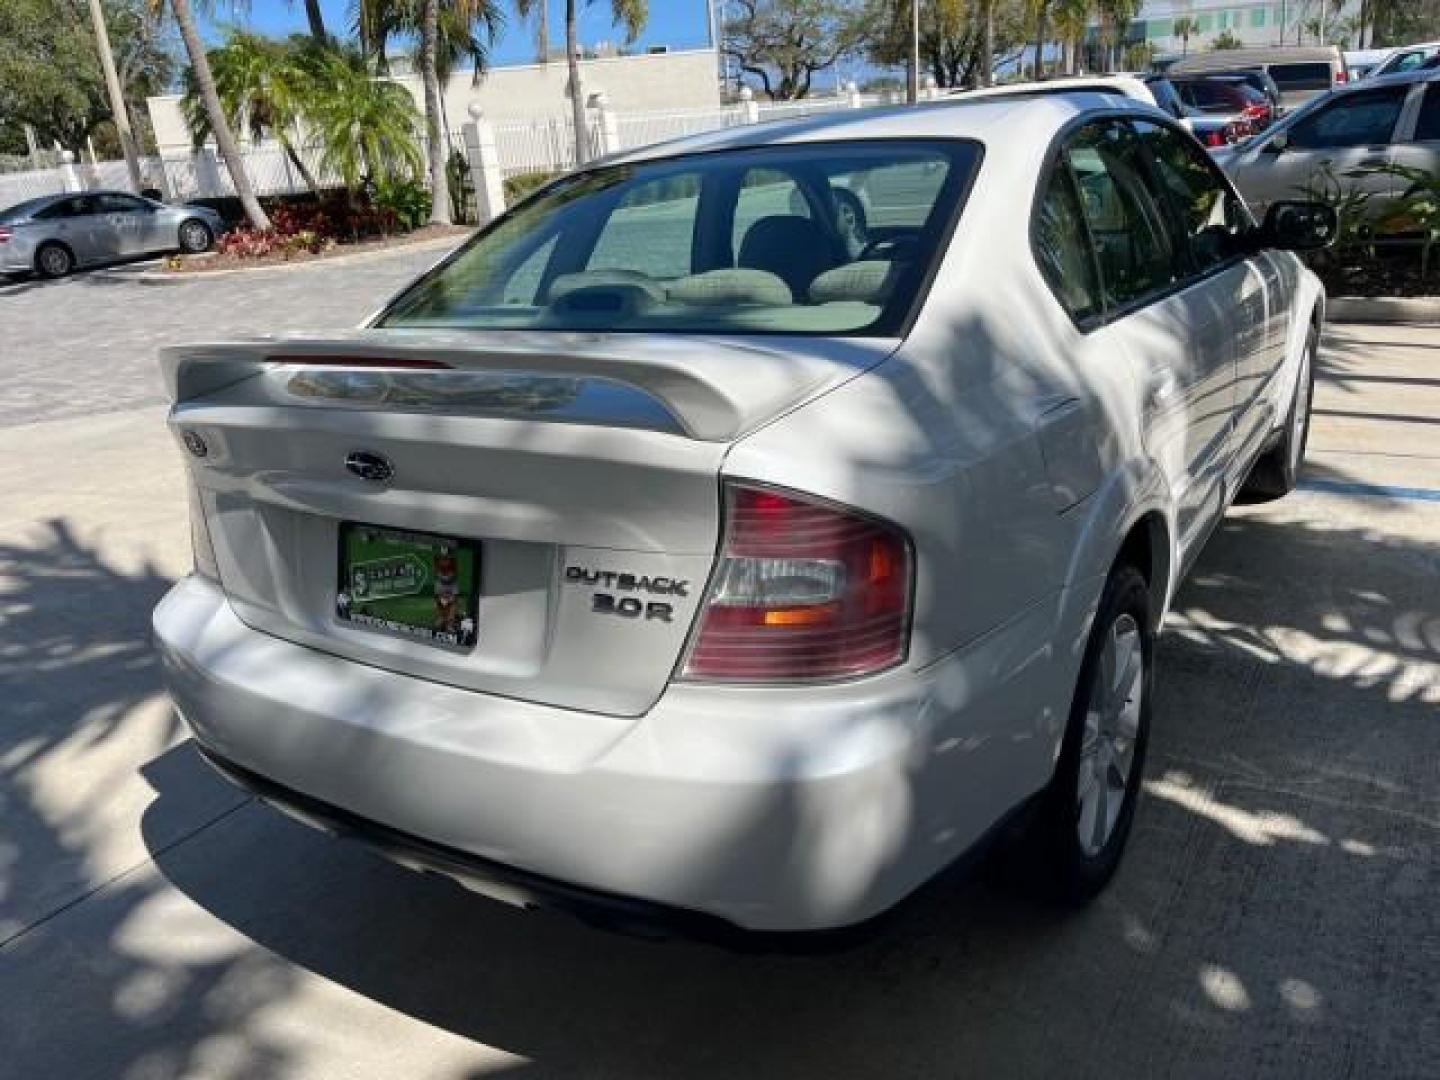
point(1376, 491)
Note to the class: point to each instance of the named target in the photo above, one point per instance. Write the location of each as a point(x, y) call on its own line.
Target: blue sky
point(677, 23)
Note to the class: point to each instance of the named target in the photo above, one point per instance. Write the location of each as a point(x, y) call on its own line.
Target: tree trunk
point(317, 21)
point(300, 167)
point(117, 98)
point(434, 140)
point(1040, 41)
point(577, 92)
point(219, 126)
point(987, 43)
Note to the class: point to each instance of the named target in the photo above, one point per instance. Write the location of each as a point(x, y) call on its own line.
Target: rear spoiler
point(710, 389)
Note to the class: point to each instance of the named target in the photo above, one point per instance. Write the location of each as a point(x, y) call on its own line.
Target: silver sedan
point(56, 234)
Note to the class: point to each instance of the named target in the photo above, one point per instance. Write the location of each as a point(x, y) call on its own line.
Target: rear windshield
point(1301, 76)
point(833, 238)
point(1212, 94)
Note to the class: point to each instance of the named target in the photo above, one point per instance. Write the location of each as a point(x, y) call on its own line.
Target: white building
point(1254, 22)
point(651, 81)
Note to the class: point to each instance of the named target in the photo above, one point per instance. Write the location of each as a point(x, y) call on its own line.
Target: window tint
point(1063, 250)
point(734, 241)
point(1131, 240)
point(111, 203)
point(1363, 119)
point(1315, 76)
point(651, 229)
point(67, 208)
point(1427, 128)
point(1205, 214)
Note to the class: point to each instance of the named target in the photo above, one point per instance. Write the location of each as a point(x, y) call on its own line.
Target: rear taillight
point(1341, 77)
point(803, 590)
point(1215, 137)
point(5, 234)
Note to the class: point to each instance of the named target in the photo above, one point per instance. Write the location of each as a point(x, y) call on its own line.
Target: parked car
point(1226, 95)
point(1210, 130)
point(56, 234)
point(1300, 72)
point(1336, 143)
point(655, 558)
point(1407, 58)
point(1361, 63)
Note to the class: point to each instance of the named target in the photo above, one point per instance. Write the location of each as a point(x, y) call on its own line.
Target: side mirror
point(1299, 226)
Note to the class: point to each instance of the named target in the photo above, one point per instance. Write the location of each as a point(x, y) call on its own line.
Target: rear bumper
point(773, 810)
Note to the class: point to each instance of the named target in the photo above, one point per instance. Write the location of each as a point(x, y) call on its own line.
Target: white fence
point(523, 146)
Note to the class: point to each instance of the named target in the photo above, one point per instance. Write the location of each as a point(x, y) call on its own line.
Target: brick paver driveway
point(87, 343)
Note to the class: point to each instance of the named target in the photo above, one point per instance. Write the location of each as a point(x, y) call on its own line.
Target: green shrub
point(522, 184)
point(406, 199)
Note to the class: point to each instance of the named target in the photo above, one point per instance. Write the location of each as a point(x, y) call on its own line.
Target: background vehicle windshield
point(821, 239)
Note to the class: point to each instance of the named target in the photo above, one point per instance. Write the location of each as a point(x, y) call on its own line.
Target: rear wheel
point(195, 236)
point(54, 260)
point(1086, 813)
point(1276, 471)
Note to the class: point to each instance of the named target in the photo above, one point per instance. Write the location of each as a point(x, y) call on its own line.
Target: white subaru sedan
point(681, 551)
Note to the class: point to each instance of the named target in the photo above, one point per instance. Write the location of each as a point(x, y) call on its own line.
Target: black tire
point(195, 236)
point(54, 260)
point(1069, 870)
point(1277, 470)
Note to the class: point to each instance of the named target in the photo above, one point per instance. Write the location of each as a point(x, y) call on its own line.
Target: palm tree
point(987, 42)
point(205, 88)
point(263, 85)
point(1183, 28)
point(367, 126)
point(445, 31)
point(629, 14)
point(316, 19)
point(1040, 11)
point(1072, 17)
point(1120, 14)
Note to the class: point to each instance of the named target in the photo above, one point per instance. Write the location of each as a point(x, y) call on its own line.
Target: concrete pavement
point(1275, 916)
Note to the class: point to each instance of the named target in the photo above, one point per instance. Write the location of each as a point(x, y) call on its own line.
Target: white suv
point(673, 550)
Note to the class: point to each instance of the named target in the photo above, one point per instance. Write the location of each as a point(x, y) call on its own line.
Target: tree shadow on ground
point(1273, 915)
point(79, 704)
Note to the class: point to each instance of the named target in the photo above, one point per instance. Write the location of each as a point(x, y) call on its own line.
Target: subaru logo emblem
point(368, 466)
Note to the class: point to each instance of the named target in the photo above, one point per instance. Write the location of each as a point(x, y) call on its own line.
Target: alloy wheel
point(1112, 726)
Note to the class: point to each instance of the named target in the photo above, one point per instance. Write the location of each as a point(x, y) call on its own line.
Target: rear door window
point(1362, 119)
point(1133, 244)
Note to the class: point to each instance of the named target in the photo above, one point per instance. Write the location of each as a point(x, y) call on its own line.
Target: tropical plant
point(1226, 39)
point(629, 15)
point(1117, 15)
point(264, 87)
point(204, 82)
point(1417, 209)
point(445, 32)
point(406, 199)
point(952, 35)
point(367, 126)
point(1184, 28)
point(1071, 19)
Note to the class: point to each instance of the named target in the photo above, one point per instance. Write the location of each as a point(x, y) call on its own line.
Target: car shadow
point(1275, 896)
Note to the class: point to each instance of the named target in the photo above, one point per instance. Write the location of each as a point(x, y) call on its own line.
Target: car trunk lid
point(583, 470)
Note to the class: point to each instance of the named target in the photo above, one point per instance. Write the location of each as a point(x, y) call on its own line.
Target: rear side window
point(67, 208)
point(1308, 76)
point(1427, 128)
point(1132, 242)
point(1363, 119)
point(1063, 250)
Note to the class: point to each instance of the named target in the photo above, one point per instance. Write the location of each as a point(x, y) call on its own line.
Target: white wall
point(675, 80)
